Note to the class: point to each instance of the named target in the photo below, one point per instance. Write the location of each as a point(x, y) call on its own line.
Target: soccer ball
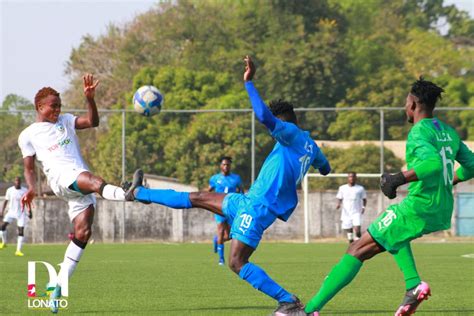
point(147, 100)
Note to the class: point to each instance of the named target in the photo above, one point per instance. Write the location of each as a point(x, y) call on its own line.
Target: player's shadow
point(329, 312)
point(156, 311)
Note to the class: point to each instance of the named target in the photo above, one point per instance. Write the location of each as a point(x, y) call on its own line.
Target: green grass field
point(182, 279)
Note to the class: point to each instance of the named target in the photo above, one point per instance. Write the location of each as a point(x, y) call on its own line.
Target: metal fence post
point(123, 176)
point(382, 128)
point(253, 148)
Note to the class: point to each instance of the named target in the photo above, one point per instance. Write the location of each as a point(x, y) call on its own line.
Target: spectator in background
point(224, 182)
point(15, 212)
point(353, 199)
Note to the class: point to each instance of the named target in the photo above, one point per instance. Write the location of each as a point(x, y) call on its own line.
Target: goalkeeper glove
point(390, 182)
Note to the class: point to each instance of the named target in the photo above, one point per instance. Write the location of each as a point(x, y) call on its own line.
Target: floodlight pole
point(306, 209)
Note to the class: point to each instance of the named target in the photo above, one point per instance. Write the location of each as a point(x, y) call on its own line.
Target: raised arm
point(92, 117)
point(30, 178)
point(262, 112)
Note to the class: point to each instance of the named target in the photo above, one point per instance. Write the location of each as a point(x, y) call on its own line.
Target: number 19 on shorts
point(245, 223)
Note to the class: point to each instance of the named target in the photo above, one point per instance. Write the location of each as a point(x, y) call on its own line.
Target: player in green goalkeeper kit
point(431, 149)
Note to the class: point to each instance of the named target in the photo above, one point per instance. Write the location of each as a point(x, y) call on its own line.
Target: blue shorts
point(220, 219)
point(249, 219)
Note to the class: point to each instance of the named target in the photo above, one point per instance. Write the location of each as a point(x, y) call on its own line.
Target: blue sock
point(220, 251)
point(254, 275)
point(169, 198)
point(214, 242)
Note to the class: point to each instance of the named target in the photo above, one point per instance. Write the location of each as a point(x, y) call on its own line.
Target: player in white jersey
point(353, 198)
point(52, 141)
point(15, 212)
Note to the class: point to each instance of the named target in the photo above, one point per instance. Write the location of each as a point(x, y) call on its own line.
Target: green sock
point(341, 275)
point(406, 263)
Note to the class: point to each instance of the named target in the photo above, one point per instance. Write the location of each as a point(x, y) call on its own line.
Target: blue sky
point(37, 37)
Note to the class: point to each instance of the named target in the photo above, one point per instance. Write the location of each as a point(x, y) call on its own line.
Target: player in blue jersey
point(224, 182)
point(272, 196)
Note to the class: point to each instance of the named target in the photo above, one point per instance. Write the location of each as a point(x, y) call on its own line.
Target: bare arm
point(338, 205)
point(364, 204)
point(210, 189)
point(30, 178)
point(92, 117)
point(4, 207)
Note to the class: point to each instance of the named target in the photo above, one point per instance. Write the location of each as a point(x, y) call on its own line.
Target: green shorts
point(396, 227)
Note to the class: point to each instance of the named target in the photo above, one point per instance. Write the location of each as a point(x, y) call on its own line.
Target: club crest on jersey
point(60, 127)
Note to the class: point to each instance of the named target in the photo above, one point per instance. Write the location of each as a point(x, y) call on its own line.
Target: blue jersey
point(285, 168)
point(225, 184)
point(287, 164)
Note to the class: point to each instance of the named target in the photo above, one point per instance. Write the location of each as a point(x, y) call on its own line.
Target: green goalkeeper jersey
point(431, 149)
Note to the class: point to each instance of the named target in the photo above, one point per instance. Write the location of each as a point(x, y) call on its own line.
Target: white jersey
point(352, 199)
point(55, 145)
point(13, 196)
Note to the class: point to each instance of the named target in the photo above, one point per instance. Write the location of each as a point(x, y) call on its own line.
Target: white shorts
point(350, 221)
point(20, 218)
point(60, 184)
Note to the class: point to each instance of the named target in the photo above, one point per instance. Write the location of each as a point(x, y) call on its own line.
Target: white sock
point(114, 193)
point(3, 234)
point(71, 259)
point(349, 236)
point(19, 243)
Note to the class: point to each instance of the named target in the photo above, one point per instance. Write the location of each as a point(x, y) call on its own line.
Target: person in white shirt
point(353, 199)
point(15, 212)
point(52, 141)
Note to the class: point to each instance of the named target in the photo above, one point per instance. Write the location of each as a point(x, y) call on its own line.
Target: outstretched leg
point(345, 271)
point(87, 183)
point(257, 277)
point(210, 201)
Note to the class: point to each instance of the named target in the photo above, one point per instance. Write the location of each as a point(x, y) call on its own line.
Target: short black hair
point(353, 173)
point(225, 158)
point(283, 109)
point(427, 92)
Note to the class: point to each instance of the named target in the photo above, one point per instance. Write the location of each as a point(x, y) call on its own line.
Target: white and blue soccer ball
point(147, 100)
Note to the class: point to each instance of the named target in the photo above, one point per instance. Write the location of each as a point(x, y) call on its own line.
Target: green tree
point(13, 123)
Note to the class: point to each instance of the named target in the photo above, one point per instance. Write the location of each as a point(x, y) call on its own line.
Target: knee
point(20, 231)
point(355, 250)
point(4, 226)
point(236, 263)
point(83, 234)
point(197, 197)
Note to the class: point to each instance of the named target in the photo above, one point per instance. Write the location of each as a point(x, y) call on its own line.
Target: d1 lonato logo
point(37, 300)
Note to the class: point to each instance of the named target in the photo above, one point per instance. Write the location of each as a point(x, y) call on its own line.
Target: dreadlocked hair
point(283, 109)
point(226, 158)
point(427, 92)
point(43, 93)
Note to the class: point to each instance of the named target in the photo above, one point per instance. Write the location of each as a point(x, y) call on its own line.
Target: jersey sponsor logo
point(61, 143)
point(387, 220)
point(60, 127)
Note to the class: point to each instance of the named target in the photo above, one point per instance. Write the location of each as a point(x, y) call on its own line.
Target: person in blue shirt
point(272, 196)
point(224, 182)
